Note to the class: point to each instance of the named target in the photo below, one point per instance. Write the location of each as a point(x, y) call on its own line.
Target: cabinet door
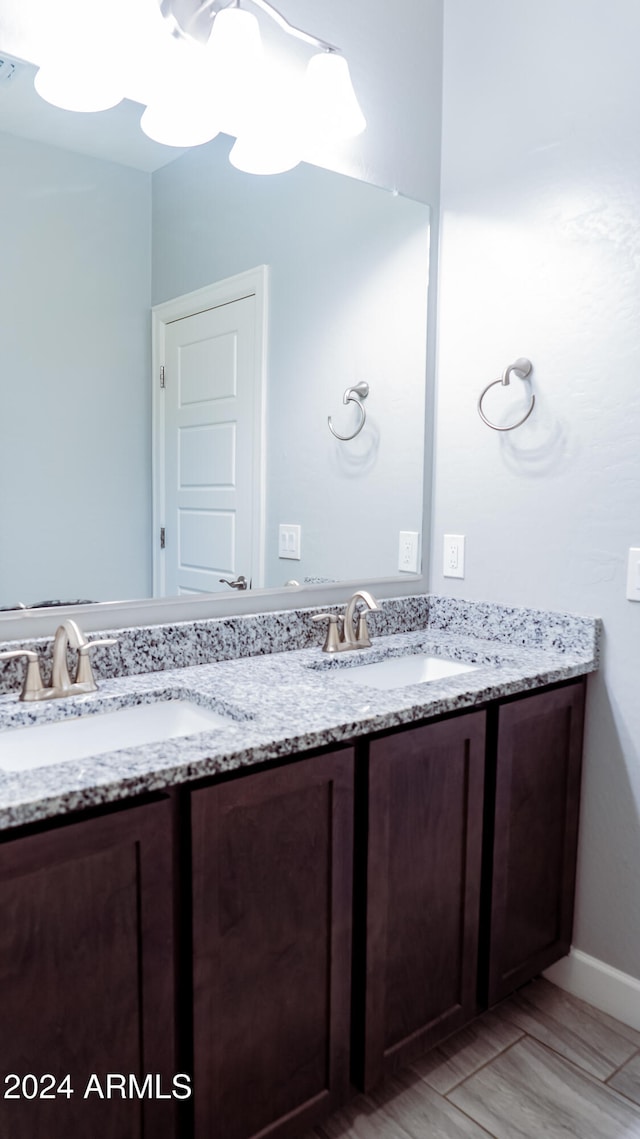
point(535, 837)
point(272, 868)
point(423, 889)
point(86, 975)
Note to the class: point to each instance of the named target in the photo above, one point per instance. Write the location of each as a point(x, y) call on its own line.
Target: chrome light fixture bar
point(202, 68)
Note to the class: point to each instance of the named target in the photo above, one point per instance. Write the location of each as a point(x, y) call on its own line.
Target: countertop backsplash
point(155, 648)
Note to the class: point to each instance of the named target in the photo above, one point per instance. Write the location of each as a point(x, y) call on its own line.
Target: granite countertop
point(277, 705)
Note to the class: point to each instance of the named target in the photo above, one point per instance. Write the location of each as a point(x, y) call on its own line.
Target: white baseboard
point(601, 985)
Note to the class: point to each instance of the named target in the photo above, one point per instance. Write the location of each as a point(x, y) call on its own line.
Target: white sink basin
point(399, 672)
point(82, 736)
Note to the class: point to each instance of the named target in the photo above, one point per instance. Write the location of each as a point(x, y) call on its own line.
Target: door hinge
point(163, 538)
point(162, 383)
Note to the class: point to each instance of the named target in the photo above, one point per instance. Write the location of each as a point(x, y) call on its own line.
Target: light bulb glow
point(78, 87)
point(271, 139)
point(235, 44)
point(332, 110)
point(178, 124)
point(94, 54)
point(235, 60)
point(259, 155)
point(80, 64)
point(182, 109)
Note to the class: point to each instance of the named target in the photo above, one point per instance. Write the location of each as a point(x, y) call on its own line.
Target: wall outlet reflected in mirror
point(409, 552)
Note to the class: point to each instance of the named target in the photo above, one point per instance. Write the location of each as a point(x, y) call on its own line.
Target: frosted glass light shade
point(181, 109)
point(270, 141)
point(176, 124)
point(331, 107)
point(78, 86)
point(235, 44)
point(257, 154)
point(235, 65)
point(80, 57)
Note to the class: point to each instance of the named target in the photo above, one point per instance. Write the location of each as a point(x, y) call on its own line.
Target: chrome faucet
point(342, 633)
point(67, 634)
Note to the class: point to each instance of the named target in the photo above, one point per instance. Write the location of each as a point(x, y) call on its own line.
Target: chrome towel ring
point(352, 395)
point(521, 368)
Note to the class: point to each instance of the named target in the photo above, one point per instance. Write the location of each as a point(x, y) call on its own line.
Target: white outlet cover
point(409, 552)
point(453, 555)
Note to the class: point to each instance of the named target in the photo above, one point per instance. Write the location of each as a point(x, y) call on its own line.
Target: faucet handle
point(362, 635)
point(32, 687)
point(332, 643)
point(84, 675)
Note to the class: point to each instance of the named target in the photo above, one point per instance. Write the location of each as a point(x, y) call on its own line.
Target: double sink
point(80, 736)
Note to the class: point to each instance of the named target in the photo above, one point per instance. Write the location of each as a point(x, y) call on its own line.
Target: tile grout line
point(470, 1117)
point(589, 1075)
point(481, 1068)
point(574, 1033)
point(619, 1069)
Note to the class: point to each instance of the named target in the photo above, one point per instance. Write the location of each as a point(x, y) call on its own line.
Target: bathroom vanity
point(300, 900)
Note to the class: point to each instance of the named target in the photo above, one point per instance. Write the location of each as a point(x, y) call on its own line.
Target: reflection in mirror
point(88, 246)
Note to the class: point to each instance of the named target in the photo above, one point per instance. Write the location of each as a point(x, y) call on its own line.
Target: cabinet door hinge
point(162, 383)
point(163, 539)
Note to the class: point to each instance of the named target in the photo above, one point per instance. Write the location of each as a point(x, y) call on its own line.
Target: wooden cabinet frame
point(465, 846)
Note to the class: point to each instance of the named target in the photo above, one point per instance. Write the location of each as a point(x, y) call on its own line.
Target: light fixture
point(331, 107)
point(236, 63)
point(181, 110)
point(88, 81)
point(206, 72)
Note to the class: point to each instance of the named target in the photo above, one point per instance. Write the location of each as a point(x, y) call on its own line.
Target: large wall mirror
point(89, 246)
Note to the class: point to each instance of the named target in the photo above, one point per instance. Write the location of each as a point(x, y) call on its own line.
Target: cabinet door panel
point(272, 920)
point(424, 862)
point(535, 837)
point(86, 972)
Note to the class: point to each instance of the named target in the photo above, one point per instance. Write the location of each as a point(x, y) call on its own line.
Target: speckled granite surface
point(281, 703)
point(155, 648)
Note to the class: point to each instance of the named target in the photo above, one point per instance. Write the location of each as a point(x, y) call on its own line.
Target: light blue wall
point(75, 440)
point(348, 267)
point(541, 257)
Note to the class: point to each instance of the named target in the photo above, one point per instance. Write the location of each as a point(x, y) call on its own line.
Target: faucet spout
point(358, 638)
point(67, 634)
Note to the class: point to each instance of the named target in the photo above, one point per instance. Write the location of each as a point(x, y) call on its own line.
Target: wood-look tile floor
point(540, 1064)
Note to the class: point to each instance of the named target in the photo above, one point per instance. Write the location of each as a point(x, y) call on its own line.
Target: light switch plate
point(289, 537)
point(453, 555)
point(633, 574)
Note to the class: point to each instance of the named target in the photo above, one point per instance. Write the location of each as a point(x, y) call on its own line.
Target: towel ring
point(352, 395)
point(521, 368)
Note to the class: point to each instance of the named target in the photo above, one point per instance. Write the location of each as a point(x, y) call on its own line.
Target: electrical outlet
point(409, 552)
point(289, 542)
point(453, 559)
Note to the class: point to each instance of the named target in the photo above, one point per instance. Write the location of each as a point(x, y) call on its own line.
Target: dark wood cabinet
point(86, 975)
point(464, 831)
point(272, 887)
point(422, 882)
point(533, 835)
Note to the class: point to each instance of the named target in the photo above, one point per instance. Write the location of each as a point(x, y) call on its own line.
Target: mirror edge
point(24, 625)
